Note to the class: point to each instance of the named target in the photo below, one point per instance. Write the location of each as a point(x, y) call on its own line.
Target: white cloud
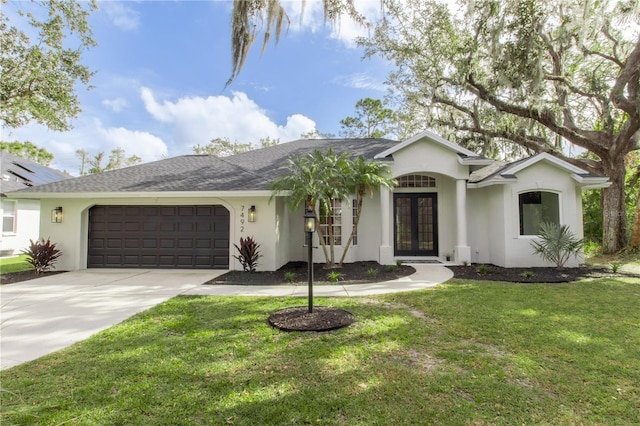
point(122, 16)
point(360, 81)
point(116, 105)
point(309, 16)
point(92, 136)
point(197, 120)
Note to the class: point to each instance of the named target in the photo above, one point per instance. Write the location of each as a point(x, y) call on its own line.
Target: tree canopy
point(39, 75)
point(372, 120)
point(28, 150)
point(556, 76)
point(223, 147)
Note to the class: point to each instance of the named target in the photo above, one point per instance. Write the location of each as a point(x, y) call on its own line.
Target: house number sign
point(241, 219)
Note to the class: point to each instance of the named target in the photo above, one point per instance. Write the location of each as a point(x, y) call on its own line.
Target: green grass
point(465, 353)
point(14, 264)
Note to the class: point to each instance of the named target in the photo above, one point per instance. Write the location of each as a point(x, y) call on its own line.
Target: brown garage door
point(158, 237)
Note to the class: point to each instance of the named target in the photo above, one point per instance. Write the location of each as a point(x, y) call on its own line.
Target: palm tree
point(366, 176)
point(273, 18)
point(317, 179)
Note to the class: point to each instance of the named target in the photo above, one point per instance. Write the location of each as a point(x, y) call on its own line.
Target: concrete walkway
point(41, 316)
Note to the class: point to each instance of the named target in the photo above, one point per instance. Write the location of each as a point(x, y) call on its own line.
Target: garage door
point(158, 237)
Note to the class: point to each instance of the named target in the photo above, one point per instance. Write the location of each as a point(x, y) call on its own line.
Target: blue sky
point(161, 68)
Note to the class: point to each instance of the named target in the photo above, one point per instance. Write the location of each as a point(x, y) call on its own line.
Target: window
point(354, 213)
point(416, 181)
point(537, 207)
point(8, 217)
point(334, 219)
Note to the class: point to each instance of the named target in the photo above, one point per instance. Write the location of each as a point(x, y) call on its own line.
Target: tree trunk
point(635, 235)
point(614, 217)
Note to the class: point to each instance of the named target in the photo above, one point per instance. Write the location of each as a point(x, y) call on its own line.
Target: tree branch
point(630, 70)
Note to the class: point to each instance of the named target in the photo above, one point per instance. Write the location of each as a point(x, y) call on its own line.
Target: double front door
point(416, 224)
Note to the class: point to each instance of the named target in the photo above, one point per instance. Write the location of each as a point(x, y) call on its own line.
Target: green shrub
point(42, 255)
point(391, 268)
point(399, 263)
point(372, 273)
point(482, 269)
point(248, 254)
point(527, 274)
point(335, 276)
point(557, 244)
point(289, 276)
point(615, 266)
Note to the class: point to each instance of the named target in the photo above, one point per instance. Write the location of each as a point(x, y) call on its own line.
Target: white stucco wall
point(71, 235)
point(480, 221)
point(27, 226)
point(508, 247)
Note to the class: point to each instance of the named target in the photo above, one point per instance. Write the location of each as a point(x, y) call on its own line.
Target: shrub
point(557, 244)
point(482, 269)
point(615, 266)
point(334, 276)
point(289, 276)
point(42, 255)
point(372, 273)
point(399, 263)
point(248, 254)
point(527, 274)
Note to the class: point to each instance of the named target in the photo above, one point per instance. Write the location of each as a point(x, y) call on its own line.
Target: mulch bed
point(351, 273)
point(533, 275)
point(15, 277)
point(322, 318)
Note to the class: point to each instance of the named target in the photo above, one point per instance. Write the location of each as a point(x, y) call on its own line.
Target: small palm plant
point(557, 244)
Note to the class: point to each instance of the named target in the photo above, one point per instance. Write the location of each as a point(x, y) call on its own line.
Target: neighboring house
point(21, 216)
point(188, 211)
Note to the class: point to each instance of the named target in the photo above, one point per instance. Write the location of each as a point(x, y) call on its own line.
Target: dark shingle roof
point(252, 170)
point(19, 173)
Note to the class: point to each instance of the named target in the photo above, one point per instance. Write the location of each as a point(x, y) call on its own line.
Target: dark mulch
point(533, 275)
point(15, 277)
point(321, 319)
point(351, 273)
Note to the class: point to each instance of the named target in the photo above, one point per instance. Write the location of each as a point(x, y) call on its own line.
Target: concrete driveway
point(44, 315)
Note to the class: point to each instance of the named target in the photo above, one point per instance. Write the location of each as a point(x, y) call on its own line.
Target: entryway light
point(309, 221)
point(252, 214)
point(56, 215)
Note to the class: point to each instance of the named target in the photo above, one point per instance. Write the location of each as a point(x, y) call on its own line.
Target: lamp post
point(310, 228)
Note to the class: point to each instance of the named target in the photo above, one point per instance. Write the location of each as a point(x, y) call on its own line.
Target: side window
point(335, 219)
point(9, 212)
point(536, 207)
point(354, 213)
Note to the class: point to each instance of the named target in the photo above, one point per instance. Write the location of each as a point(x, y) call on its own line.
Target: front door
point(416, 224)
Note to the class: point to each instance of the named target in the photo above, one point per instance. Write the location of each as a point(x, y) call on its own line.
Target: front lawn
point(14, 264)
point(464, 353)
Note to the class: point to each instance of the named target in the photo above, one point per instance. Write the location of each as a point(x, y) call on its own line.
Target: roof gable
point(500, 173)
point(432, 138)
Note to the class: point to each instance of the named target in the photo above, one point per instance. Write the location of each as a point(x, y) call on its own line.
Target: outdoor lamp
point(309, 221)
point(56, 215)
point(252, 214)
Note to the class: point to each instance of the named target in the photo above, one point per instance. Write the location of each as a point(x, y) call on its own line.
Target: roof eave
point(134, 195)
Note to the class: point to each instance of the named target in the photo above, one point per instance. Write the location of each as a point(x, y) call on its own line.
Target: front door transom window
point(416, 181)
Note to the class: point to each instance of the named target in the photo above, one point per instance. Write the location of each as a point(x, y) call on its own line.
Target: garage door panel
point(159, 236)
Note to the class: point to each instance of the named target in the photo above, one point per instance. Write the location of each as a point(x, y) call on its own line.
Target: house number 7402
point(241, 219)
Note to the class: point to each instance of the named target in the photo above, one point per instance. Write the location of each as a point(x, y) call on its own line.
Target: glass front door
point(416, 224)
